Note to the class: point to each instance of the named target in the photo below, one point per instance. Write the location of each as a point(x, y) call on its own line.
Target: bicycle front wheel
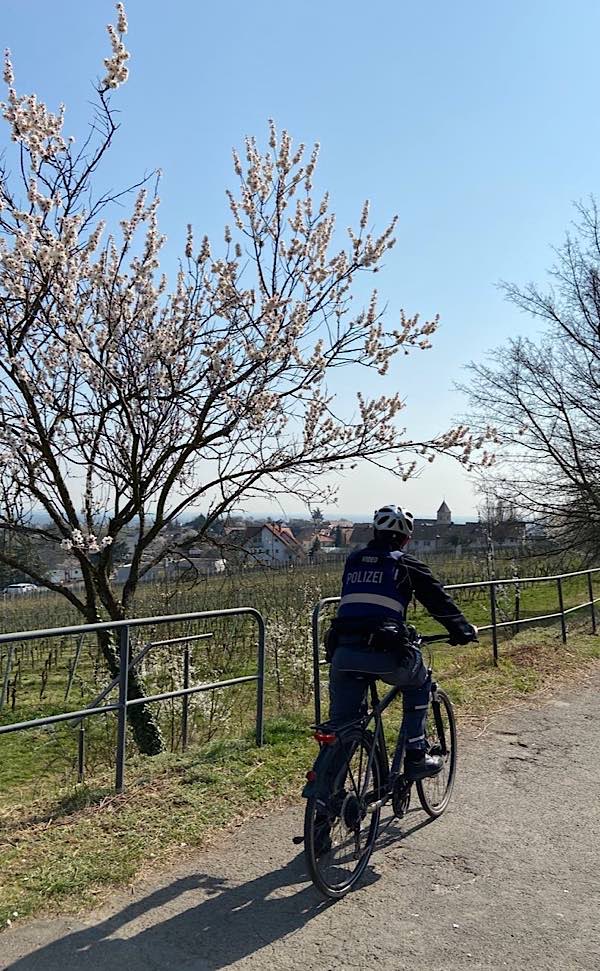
point(341, 823)
point(440, 731)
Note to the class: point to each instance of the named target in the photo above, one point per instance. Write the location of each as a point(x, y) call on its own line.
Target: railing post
point(260, 682)
point(9, 660)
point(592, 604)
point(4, 691)
point(561, 607)
point(122, 718)
point(81, 752)
point(186, 698)
point(493, 618)
point(316, 669)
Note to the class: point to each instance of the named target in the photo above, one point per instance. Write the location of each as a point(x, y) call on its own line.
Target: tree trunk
point(144, 725)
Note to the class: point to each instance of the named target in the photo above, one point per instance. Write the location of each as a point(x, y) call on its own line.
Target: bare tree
point(543, 397)
point(317, 518)
point(125, 403)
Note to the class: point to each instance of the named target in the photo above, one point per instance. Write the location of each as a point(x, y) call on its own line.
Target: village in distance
point(245, 542)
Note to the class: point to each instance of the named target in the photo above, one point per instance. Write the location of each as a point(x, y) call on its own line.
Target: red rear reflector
point(325, 738)
point(311, 775)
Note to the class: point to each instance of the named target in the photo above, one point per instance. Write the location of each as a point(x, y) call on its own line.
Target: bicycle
point(344, 803)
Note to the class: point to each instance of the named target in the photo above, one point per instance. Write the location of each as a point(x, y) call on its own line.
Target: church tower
point(444, 516)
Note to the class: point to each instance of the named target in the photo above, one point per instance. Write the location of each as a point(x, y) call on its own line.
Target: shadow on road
point(229, 924)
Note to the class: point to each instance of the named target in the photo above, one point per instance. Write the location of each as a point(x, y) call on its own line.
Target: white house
point(271, 543)
point(66, 574)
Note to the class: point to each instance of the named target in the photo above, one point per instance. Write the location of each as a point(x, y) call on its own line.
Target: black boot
point(420, 765)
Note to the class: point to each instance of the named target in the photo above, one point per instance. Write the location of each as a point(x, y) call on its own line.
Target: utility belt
point(386, 636)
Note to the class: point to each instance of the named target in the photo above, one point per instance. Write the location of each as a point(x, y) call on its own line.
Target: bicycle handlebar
point(432, 638)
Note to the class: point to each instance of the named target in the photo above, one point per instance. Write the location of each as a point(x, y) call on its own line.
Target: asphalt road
point(509, 877)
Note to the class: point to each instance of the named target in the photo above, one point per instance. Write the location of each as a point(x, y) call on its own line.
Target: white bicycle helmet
point(394, 519)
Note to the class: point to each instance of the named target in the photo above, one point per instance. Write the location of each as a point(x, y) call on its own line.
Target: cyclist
point(370, 636)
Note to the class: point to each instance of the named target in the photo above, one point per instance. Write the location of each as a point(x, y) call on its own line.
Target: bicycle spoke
point(356, 788)
point(440, 731)
point(360, 766)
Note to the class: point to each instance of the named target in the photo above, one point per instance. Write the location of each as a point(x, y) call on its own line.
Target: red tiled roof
point(284, 534)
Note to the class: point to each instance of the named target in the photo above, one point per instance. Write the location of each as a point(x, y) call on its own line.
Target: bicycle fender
point(327, 764)
point(317, 786)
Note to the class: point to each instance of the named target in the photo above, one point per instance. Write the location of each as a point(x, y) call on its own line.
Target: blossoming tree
point(124, 402)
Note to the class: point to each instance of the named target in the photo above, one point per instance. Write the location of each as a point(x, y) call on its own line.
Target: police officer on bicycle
point(369, 636)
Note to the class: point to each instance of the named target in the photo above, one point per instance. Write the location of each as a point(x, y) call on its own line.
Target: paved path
point(508, 878)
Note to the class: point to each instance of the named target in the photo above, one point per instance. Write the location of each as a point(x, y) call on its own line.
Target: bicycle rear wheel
point(340, 825)
point(440, 731)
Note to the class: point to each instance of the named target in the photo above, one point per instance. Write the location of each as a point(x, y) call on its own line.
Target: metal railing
point(139, 657)
point(494, 626)
point(126, 663)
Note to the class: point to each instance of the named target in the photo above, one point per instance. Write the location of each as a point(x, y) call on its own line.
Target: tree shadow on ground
point(229, 923)
point(393, 830)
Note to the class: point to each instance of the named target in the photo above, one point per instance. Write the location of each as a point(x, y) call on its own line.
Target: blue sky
point(475, 122)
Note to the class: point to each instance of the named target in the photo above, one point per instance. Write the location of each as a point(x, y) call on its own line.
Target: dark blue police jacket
point(370, 585)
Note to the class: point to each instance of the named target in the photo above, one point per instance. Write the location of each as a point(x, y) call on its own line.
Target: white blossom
point(9, 76)
point(122, 21)
point(117, 71)
point(189, 243)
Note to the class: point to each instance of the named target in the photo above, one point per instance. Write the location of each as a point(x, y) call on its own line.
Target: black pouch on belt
point(350, 632)
point(388, 637)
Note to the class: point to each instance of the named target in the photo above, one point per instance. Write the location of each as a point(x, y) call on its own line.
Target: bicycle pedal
point(297, 840)
point(401, 797)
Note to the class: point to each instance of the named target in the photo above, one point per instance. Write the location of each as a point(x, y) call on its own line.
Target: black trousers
point(347, 691)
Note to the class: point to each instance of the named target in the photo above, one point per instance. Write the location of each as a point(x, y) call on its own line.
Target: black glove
point(465, 635)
